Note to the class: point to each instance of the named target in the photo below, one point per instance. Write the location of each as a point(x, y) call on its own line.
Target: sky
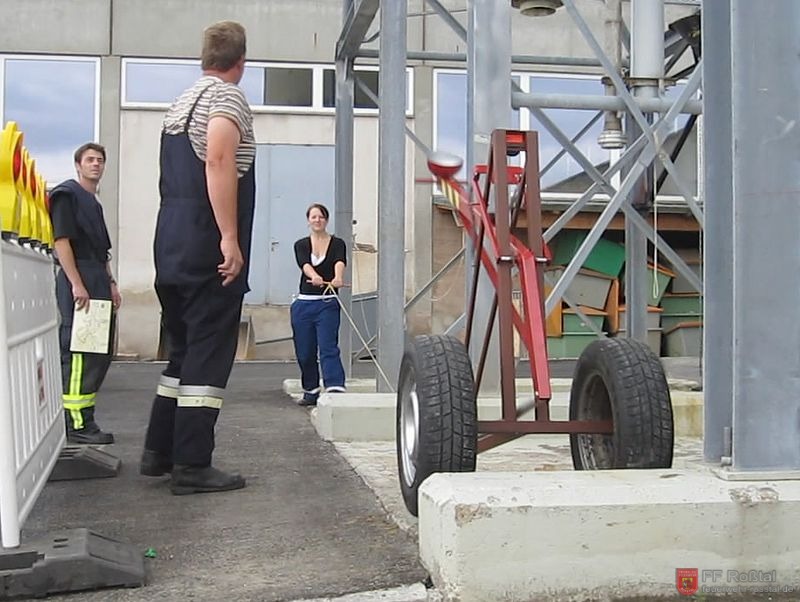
point(53, 103)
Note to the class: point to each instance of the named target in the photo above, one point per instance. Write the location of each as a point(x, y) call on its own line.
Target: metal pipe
point(647, 41)
point(659, 131)
point(687, 129)
point(574, 139)
point(718, 249)
point(487, 341)
point(589, 102)
point(449, 19)
point(472, 283)
point(612, 136)
point(391, 189)
point(356, 19)
point(343, 160)
point(647, 72)
point(765, 94)
point(434, 279)
point(409, 132)
point(616, 203)
point(460, 57)
point(488, 102)
point(629, 155)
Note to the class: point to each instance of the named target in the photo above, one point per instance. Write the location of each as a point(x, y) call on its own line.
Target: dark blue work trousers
point(315, 329)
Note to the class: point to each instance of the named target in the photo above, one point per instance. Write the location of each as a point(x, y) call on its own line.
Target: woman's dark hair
point(322, 208)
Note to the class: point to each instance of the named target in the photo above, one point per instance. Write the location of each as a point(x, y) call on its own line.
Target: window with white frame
point(55, 103)
point(157, 83)
point(450, 114)
point(365, 77)
point(565, 177)
point(269, 87)
point(288, 87)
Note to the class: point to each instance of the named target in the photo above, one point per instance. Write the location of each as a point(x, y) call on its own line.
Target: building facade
point(106, 70)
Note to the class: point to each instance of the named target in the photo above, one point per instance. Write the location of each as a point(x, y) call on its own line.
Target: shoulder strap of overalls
point(194, 106)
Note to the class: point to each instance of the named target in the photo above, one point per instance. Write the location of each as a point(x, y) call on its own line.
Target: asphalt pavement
point(306, 526)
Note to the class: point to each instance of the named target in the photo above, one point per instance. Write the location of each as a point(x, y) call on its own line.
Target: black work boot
point(203, 479)
point(89, 433)
point(308, 399)
point(154, 464)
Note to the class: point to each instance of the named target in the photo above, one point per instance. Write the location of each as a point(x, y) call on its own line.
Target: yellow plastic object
point(47, 225)
point(24, 190)
point(10, 168)
point(36, 214)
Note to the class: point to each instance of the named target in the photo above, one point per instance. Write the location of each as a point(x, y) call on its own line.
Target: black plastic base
point(69, 561)
point(84, 463)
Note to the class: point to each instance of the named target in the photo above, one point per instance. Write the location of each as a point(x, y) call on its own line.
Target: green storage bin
point(663, 277)
point(684, 340)
point(572, 323)
point(682, 304)
point(607, 257)
point(681, 285)
point(653, 339)
point(589, 289)
point(669, 321)
point(653, 317)
point(570, 345)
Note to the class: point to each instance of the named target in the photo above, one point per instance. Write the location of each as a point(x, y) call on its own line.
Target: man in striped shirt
point(202, 249)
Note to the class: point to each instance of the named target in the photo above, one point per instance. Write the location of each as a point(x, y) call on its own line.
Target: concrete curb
point(407, 593)
point(366, 416)
point(581, 535)
point(291, 386)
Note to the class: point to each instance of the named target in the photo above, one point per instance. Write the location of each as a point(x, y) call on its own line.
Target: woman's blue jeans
point(315, 330)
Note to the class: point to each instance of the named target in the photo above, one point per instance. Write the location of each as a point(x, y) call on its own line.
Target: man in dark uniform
point(82, 248)
point(202, 249)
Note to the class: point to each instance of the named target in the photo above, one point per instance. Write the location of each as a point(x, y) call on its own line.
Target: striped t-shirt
point(218, 98)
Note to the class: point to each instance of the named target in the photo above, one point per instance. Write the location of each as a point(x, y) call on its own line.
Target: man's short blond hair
point(224, 43)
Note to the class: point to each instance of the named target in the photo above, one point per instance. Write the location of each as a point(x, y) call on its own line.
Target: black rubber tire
point(437, 369)
point(623, 380)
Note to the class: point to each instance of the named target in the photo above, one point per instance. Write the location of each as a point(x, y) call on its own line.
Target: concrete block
point(355, 416)
point(687, 413)
point(599, 535)
point(291, 386)
point(371, 416)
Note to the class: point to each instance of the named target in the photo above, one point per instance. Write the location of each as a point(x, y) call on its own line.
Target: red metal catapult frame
point(500, 253)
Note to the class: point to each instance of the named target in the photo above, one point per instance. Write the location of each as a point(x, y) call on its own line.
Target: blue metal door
point(289, 178)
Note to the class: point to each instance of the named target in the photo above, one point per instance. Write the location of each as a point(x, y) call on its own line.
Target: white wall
point(138, 202)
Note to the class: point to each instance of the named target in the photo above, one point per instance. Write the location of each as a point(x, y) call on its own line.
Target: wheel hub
point(409, 434)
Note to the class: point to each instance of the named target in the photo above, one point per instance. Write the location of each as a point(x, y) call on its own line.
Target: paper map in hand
point(91, 329)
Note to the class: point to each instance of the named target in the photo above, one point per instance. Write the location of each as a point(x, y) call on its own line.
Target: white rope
point(329, 289)
point(656, 288)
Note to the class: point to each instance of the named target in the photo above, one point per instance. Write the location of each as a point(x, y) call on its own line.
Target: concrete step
point(291, 386)
point(365, 416)
point(367, 385)
point(601, 535)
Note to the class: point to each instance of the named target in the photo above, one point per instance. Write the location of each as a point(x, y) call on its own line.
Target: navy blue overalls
point(82, 373)
point(200, 316)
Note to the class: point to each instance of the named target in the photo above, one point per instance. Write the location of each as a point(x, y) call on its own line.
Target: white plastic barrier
point(32, 431)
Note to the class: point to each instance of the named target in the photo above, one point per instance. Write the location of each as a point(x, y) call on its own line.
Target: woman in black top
point(315, 316)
